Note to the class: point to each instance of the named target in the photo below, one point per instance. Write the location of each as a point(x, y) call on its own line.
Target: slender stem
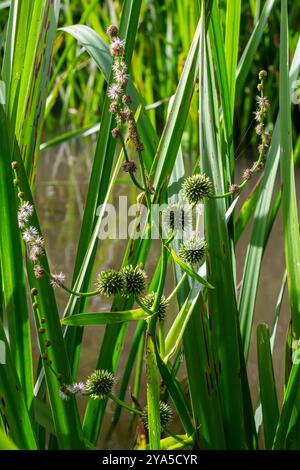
point(79, 294)
point(220, 196)
point(143, 173)
point(125, 405)
point(244, 183)
point(160, 289)
point(172, 295)
point(162, 278)
point(70, 291)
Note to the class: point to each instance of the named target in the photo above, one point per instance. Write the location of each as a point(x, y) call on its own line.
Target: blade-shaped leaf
point(13, 280)
point(221, 299)
point(152, 395)
point(233, 16)
point(102, 318)
point(260, 229)
point(268, 393)
point(13, 407)
point(289, 197)
point(190, 271)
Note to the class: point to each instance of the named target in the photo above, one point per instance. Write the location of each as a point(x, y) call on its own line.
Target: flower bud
point(262, 74)
point(129, 167)
point(113, 108)
point(115, 133)
point(112, 31)
point(247, 174)
point(234, 189)
point(126, 100)
point(259, 129)
point(117, 47)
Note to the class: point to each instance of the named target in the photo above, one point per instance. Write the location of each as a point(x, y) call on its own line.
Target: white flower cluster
point(33, 240)
point(77, 388)
point(120, 102)
point(35, 243)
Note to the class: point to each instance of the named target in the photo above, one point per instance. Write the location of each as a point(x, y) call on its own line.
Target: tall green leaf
point(13, 407)
point(152, 395)
point(246, 60)
point(137, 252)
point(102, 318)
point(289, 197)
point(260, 228)
point(233, 17)
point(221, 299)
point(65, 413)
point(268, 393)
point(12, 269)
point(99, 181)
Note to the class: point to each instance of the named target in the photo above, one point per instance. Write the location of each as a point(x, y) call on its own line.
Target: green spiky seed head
point(197, 187)
point(176, 217)
point(165, 413)
point(162, 307)
point(99, 384)
point(262, 74)
point(110, 283)
point(193, 251)
point(134, 280)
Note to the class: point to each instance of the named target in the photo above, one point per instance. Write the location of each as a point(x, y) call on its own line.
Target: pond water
point(62, 181)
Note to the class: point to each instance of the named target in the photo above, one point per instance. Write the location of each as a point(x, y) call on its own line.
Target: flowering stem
point(79, 294)
point(244, 183)
point(143, 173)
point(70, 291)
point(133, 178)
point(125, 405)
point(220, 196)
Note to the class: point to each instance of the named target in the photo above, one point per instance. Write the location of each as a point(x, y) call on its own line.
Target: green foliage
point(186, 328)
